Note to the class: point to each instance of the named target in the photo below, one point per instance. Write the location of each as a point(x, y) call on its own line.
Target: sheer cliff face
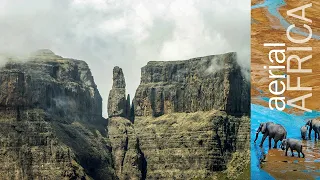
point(190, 121)
point(187, 120)
point(51, 121)
point(200, 84)
point(50, 82)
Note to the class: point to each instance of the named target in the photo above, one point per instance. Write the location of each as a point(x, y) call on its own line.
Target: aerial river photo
point(269, 164)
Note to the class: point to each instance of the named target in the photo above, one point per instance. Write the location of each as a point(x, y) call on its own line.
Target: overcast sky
point(108, 33)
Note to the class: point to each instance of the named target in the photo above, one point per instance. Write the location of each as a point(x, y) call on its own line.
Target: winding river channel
point(291, 122)
point(270, 164)
point(272, 7)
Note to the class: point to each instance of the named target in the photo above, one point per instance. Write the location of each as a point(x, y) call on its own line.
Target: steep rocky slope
point(128, 158)
point(51, 121)
point(199, 84)
point(190, 119)
point(191, 145)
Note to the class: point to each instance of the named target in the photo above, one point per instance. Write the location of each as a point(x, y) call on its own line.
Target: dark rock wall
point(63, 85)
point(117, 102)
point(51, 121)
point(200, 84)
point(186, 121)
point(29, 149)
point(128, 157)
point(191, 145)
point(189, 118)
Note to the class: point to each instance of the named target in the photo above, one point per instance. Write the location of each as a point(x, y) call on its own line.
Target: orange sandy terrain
point(287, 167)
point(267, 29)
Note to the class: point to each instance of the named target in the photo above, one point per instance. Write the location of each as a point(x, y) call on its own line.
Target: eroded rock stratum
point(51, 121)
point(190, 120)
point(187, 120)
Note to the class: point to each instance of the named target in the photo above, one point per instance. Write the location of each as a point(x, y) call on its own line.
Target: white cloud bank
point(106, 33)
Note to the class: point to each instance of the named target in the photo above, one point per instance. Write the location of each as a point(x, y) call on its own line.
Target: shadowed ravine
point(184, 122)
point(184, 128)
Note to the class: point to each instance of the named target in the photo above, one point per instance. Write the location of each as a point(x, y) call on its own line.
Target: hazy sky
point(108, 33)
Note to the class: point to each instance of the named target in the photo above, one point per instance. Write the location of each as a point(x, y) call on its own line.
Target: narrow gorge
point(187, 120)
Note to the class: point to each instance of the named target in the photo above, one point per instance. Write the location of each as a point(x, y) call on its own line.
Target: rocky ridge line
point(51, 121)
point(190, 120)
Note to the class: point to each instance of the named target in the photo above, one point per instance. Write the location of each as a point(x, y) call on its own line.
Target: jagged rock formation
point(128, 158)
point(127, 155)
point(187, 121)
point(190, 121)
point(51, 121)
point(199, 84)
point(117, 102)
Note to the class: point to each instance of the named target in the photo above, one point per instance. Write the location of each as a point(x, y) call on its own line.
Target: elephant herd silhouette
point(278, 133)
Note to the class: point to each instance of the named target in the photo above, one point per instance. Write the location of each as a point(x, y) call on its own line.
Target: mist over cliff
point(182, 122)
point(108, 33)
point(185, 122)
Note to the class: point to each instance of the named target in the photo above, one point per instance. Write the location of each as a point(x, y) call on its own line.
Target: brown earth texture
point(269, 23)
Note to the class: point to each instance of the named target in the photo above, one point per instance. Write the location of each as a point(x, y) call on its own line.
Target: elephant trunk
point(257, 134)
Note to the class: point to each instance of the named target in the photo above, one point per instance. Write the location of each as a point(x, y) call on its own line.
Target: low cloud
point(214, 66)
point(108, 33)
point(2, 60)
